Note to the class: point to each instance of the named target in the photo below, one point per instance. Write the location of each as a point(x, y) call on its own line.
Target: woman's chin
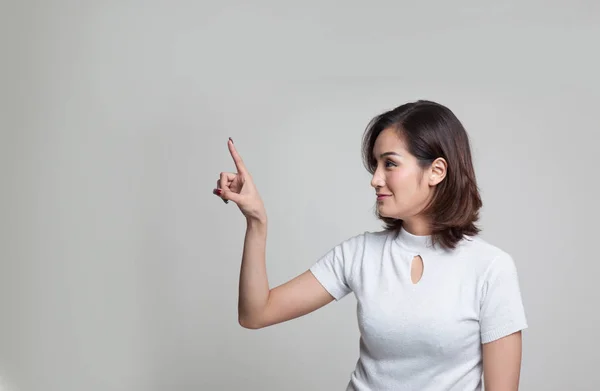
point(381, 212)
point(385, 212)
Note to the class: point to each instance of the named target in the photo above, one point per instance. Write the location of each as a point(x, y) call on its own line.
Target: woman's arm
point(502, 363)
point(259, 306)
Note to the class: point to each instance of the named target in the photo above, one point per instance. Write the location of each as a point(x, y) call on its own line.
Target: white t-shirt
point(426, 335)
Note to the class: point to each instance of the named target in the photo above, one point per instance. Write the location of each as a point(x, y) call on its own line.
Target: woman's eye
point(390, 163)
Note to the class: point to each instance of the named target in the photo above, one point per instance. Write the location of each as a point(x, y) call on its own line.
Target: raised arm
point(258, 305)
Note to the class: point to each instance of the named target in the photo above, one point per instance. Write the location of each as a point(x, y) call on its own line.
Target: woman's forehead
point(389, 140)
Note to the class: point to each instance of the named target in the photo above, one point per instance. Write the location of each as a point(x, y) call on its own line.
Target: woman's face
point(403, 186)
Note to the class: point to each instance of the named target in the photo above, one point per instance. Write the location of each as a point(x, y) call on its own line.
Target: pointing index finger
point(239, 163)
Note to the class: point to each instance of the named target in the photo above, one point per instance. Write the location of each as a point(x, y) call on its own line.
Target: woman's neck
point(417, 226)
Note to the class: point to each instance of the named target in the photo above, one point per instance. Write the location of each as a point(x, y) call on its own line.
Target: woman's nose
point(377, 181)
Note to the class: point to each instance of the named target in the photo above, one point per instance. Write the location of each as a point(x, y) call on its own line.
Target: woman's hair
point(430, 131)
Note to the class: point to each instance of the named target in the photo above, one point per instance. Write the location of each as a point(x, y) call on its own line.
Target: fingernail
point(231, 140)
point(217, 191)
point(226, 201)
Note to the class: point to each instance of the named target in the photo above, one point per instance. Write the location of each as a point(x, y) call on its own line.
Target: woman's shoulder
point(365, 239)
point(482, 254)
point(370, 236)
point(479, 245)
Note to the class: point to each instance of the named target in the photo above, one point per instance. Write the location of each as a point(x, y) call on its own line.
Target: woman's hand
point(239, 188)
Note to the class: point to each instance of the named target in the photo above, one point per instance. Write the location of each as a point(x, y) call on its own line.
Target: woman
point(437, 305)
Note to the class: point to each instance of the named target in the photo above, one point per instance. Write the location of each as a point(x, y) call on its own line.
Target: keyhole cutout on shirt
point(416, 269)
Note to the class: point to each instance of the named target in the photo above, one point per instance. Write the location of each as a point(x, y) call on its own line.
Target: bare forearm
point(254, 284)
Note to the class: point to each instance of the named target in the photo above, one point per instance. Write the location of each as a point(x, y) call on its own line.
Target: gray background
point(119, 268)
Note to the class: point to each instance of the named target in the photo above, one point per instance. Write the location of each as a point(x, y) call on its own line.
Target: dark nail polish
point(231, 140)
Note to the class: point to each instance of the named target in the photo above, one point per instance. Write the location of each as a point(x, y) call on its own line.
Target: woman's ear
point(438, 171)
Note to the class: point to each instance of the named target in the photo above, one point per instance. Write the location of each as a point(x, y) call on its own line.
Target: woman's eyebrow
point(389, 153)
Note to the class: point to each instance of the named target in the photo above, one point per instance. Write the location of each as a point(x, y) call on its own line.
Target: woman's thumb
point(230, 195)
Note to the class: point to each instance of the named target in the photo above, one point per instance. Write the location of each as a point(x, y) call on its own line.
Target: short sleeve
point(502, 312)
point(334, 269)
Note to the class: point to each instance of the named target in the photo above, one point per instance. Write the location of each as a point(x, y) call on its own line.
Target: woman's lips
point(382, 196)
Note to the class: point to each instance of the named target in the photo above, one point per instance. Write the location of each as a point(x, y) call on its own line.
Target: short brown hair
point(430, 131)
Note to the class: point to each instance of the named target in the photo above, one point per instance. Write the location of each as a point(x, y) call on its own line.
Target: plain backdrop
point(118, 266)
